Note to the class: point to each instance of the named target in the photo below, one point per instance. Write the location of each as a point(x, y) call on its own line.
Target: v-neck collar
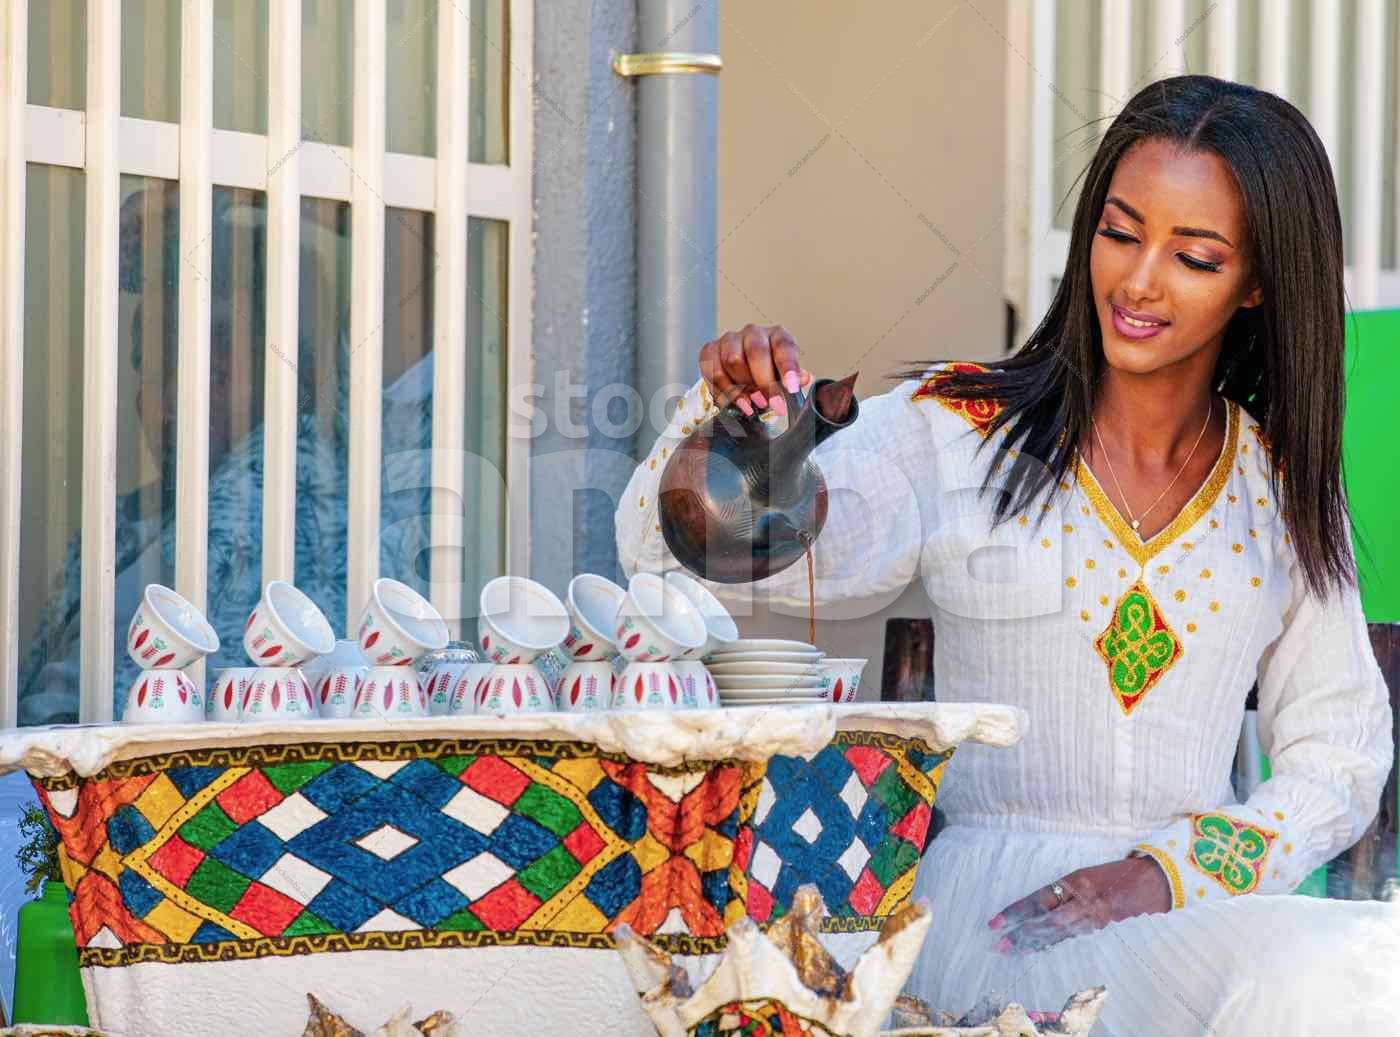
point(1142, 551)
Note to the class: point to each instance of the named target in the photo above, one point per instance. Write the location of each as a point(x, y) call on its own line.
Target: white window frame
point(106, 145)
point(1037, 250)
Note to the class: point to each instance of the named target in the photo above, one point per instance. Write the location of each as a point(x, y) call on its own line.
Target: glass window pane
point(240, 65)
point(327, 70)
point(411, 56)
point(487, 308)
point(323, 370)
point(407, 422)
point(237, 346)
point(489, 131)
point(51, 473)
point(58, 53)
point(148, 345)
point(151, 59)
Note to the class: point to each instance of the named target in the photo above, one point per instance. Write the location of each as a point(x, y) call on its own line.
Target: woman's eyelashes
point(1194, 264)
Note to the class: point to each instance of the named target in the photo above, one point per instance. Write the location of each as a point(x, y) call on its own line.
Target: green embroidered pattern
point(1229, 851)
point(1138, 646)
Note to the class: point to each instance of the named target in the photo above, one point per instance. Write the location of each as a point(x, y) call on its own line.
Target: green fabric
point(1371, 456)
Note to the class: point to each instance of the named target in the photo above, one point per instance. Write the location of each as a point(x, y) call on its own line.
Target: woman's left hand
point(1088, 899)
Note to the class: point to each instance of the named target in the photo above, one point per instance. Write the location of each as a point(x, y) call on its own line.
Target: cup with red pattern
point(697, 686)
point(514, 688)
point(656, 622)
point(167, 632)
point(163, 696)
point(592, 602)
point(520, 620)
point(648, 685)
point(335, 691)
point(398, 625)
point(335, 678)
point(391, 693)
point(841, 678)
point(286, 628)
point(586, 686)
point(226, 697)
point(720, 628)
point(277, 694)
point(461, 698)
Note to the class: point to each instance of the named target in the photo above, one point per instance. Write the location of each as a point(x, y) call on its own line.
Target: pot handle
point(795, 401)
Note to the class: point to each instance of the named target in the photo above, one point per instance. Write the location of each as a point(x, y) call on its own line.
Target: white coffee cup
point(286, 628)
point(656, 622)
point(586, 686)
point(514, 688)
point(520, 620)
point(391, 693)
point(163, 696)
point(277, 693)
point(168, 633)
point(647, 685)
point(226, 697)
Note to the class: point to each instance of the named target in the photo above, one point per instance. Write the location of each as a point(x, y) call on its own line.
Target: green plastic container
point(48, 988)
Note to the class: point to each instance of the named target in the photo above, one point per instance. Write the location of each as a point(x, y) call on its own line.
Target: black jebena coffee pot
point(739, 502)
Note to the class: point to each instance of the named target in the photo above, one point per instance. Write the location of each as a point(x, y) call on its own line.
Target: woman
point(1122, 528)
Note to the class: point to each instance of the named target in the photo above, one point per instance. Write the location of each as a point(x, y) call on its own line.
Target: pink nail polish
point(790, 381)
point(744, 405)
point(1003, 946)
point(759, 399)
point(997, 922)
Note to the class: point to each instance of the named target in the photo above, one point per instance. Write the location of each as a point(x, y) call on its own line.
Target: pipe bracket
point(667, 63)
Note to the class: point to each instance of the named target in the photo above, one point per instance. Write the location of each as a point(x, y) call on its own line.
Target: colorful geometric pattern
point(1138, 646)
point(274, 850)
point(853, 820)
point(761, 1017)
point(978, 413)
point(222, 854)
point(1229, 851)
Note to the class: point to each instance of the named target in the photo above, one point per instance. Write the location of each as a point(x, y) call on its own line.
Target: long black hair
point(1281, 359)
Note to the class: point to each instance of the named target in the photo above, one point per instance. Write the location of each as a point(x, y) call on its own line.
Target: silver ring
point(1059, 893)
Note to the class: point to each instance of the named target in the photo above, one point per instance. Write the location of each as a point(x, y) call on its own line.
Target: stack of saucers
point(767, 672)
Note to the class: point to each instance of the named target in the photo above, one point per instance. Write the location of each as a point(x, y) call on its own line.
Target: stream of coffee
point(811, 602)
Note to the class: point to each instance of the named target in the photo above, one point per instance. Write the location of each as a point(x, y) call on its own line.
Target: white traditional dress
point(1133, 661)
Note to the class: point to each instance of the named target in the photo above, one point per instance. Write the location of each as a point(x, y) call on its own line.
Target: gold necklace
point(1122, 496)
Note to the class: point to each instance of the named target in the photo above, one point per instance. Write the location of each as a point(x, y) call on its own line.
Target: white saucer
point(774, 693)
point(764, 669)
point(765, 644)
point(757, 683)
point(799, 658)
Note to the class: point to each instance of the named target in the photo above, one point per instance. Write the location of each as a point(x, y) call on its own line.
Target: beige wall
point(861, 200)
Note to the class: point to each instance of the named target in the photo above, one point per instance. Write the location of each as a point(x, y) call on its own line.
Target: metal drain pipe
point(677, 120)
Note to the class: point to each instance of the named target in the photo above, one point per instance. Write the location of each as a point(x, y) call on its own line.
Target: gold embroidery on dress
point(1191, 512)
point(978, 413)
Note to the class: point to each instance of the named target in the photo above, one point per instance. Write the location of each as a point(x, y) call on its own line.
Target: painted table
point(221, 872)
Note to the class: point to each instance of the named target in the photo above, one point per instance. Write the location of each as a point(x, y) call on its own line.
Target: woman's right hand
point(746, 367)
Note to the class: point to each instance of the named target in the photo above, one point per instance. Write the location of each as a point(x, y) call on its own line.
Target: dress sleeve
point(1325, 722)
point(878, 475)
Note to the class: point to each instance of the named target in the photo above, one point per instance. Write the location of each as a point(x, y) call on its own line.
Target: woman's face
point(1170, 248)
